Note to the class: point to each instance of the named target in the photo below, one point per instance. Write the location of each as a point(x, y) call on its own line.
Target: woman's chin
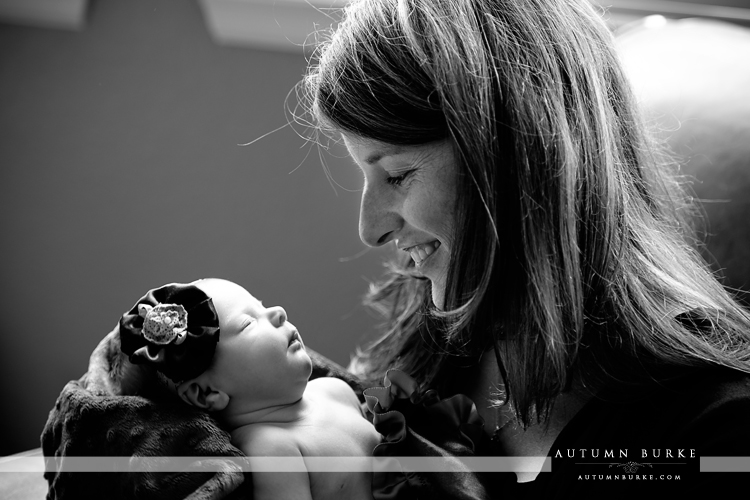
point(438, 295)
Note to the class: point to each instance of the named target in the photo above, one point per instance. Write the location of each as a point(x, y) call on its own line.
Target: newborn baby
point(255, 380)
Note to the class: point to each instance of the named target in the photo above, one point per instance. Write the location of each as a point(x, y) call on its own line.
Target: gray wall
point(120, 171)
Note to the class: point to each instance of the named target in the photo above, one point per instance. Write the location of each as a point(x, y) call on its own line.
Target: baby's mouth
point(295, 338)
point(419, 253)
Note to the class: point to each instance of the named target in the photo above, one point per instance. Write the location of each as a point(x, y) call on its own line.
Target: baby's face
point(260, 355)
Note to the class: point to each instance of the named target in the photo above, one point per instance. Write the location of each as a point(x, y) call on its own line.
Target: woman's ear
point(199, 393)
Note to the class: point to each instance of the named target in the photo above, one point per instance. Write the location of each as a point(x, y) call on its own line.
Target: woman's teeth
point(420, 252)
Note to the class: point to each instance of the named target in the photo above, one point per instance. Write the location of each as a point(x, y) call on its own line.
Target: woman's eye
point(396, 180)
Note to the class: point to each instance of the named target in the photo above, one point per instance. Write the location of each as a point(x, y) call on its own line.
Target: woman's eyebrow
point(379, 155)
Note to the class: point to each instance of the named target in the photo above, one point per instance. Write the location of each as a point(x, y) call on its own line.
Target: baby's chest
point(340, 434)
point(348, 437)
point(337, 485)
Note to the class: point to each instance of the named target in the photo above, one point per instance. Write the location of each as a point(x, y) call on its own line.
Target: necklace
point(499, 412)
point(495, 397)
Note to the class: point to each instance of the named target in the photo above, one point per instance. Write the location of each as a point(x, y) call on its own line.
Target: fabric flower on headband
point(164, 323)
point(175, 328)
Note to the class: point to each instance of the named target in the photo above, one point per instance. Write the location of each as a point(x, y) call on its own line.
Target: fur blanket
point(118, 409)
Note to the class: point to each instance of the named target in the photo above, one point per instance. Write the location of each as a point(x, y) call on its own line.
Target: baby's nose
point(277, 316)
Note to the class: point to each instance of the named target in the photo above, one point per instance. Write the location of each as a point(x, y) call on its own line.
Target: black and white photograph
point(374, 249)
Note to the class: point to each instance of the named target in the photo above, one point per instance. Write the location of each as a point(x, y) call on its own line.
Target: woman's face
point(409, 198)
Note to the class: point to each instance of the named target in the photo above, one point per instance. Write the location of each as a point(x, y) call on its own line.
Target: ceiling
point(286, 25)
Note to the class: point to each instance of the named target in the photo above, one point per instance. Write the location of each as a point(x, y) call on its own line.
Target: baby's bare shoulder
point(334, 387)
point(266, 441)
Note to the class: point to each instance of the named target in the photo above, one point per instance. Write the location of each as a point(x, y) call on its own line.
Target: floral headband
point(175, 328)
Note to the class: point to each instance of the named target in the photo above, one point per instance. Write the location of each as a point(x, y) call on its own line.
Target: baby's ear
point(198, 392)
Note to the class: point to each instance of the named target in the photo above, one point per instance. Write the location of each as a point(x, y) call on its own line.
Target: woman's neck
point(500, 423)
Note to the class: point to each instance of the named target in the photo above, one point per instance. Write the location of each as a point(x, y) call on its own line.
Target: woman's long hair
point(572, 258)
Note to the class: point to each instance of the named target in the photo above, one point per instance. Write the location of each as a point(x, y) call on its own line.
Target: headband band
point(174, 328)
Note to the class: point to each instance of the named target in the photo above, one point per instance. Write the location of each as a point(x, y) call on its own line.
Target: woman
point(547, 269)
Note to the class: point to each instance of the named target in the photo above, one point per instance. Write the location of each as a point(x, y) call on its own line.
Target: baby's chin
point(308, 365)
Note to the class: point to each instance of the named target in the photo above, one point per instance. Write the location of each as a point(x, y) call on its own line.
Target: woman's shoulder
point(696, 389)
point(658, 434)
point(698, 407)
point(722, 383)
point(711, 408)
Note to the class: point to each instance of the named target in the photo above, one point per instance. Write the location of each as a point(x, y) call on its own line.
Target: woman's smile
point(416, 212)
point(421, 252)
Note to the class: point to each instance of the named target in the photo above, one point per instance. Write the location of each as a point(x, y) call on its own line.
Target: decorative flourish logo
point(630, 467)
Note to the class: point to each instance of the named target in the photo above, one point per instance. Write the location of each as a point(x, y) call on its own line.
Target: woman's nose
point(276, 315)
point(378, 221)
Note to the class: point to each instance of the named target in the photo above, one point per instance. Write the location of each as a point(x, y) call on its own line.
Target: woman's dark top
point(624, 443)
point(664, 432)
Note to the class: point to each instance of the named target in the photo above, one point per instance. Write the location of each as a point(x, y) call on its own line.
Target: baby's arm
point(274, 442)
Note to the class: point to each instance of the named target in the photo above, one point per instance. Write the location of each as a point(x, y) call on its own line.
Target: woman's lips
point(419, 253)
